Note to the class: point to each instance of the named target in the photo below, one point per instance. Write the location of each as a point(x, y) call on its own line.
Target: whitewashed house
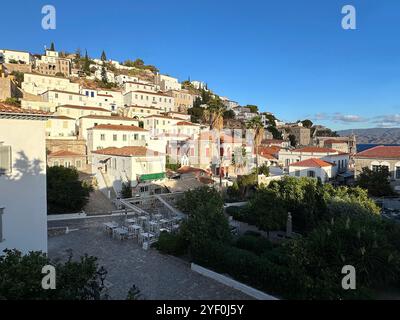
point(87, 122)
point(60, 127)
point(110, 135)
point(77, 112)
point(143, 168)
point(16, 56)
point(23, 208)
point(149, 99)
point(313, 168)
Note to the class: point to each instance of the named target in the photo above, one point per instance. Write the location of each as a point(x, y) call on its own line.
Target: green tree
point(252, 107)
point(65, 193)
point(257, 126)
point(293, 141)
point(126, 192)
point(103, 56)
point(206, 220)
point(52, 47)
point(21, 277)
point(104, 78)
point(19, 77)
point(377, 182)
point(275, 132)
point(86, 64)
point(307, 123)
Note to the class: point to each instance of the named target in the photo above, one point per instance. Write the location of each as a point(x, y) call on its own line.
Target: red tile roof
point(330, 141)
point(5, 108)
point(186, 123)
point(117, 127)
point(105, 95)
point(313, 163)
point(386, 152)
point(93, 116)
point(132, 151)
point(83, 108)
point(63, 118)
point(65, 153)
point(316, 150)
point(187, 169)
point(268, 150)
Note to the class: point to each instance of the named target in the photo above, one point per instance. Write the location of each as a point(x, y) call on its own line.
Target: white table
point(110, 226)
point(120, 232)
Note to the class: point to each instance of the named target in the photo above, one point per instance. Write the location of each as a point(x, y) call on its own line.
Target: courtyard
point(158, 276)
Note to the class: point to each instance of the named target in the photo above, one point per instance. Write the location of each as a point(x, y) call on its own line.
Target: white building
point(338, 159)
point(60, 127)
point(23, 207)
point(108, 99)
point(77, 112)
point(139, 112)
point(198, 85)
point(87, 122)
point(143, 168)
point(149, 99)
point(313, 168)
point(140, 86)
point(167, 83)
point(122, 78)
point(16, 56)
point(109, 135)
point(158, 124)
point(37, 84)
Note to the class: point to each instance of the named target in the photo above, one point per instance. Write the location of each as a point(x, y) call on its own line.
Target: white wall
point(23, 192)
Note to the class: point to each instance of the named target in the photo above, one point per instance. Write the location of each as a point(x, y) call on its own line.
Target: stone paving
point(159, 277)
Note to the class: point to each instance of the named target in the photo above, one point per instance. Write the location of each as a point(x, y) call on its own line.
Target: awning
point(152, 176)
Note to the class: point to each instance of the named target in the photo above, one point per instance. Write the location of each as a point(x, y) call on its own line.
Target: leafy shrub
point(257, 245)
point(172, 244)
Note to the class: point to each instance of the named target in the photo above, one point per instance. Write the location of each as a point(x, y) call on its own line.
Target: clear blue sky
point(290, 57)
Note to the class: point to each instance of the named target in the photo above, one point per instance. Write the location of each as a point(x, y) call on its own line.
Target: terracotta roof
point(187, 169)
point(316, 150)
point(312, 163)
point(206, 180)
point(93, 116)
point(132, 151)
point(117, 127)
point(186, 123)
point(83, 108)
point(65, 153)
point(63, 118)
point(268, 156)
point(268, 150)
point(387, 152)
point(160, 116)
point(5, 108)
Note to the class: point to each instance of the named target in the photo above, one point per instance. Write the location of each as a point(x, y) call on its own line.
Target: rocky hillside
point(374, 135)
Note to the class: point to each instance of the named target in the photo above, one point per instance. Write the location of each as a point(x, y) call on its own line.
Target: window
point(297, 173)
point(136, 136)
point(397, 172)
point(114, 137)
point(102, 137)
point(124, 137)
point(311, 174)
point(78, 163)
point(5, 159)
point(1, 224)
point(375, 168)
point(115, 164)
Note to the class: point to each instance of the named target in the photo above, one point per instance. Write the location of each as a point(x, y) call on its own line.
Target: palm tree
point(258, 127)
point(215, 115)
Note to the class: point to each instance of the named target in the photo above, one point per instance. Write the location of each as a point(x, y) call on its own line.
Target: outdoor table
point(110, 225)
point(121, 232)
point(134, 227)
point(131, 221)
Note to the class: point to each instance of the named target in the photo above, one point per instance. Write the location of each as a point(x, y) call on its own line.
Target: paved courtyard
point(159, 277)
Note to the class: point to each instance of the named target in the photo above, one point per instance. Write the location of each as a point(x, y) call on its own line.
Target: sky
point(289, 57)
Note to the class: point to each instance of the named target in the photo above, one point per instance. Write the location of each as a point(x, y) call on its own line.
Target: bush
point(172, 244)
point(65, 193)
point(258, 245)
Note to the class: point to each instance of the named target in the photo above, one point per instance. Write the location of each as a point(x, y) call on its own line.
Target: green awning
point(152, 176)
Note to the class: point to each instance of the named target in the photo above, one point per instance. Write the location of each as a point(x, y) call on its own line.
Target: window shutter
point(5, 159)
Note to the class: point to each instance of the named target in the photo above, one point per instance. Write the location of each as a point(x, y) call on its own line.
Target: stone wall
point(77, 146)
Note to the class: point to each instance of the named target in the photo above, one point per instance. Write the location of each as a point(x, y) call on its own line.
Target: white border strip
point(257, 294)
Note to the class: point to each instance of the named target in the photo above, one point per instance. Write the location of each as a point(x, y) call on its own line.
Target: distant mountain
point(374, 135)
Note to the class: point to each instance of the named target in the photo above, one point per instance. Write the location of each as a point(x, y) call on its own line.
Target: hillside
point(374, 135)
